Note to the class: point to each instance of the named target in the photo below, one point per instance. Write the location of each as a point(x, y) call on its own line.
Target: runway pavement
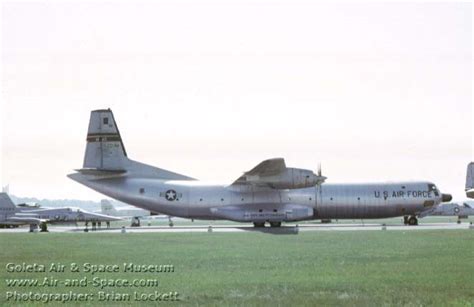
point(286, 229)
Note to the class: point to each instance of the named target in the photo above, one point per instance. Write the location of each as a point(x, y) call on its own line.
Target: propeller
point(321, 178)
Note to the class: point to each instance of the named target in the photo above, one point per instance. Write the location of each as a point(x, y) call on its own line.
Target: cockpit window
point(432, 187)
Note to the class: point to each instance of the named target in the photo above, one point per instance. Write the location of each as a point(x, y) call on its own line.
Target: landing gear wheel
point(275, 224)
point(412, 221)
point(405, 220)
point(259, 224)
point(135, 222)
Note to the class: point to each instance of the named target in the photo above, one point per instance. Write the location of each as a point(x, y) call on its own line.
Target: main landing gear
point(262, 224)
point(43, 227)
point(410, 220)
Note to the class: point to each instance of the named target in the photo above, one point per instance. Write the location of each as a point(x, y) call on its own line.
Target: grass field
point(363, 268)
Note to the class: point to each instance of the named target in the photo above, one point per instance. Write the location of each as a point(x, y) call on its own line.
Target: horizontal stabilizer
point(100, 172)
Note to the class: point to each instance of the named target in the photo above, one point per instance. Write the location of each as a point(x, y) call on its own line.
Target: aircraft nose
point(446, 197)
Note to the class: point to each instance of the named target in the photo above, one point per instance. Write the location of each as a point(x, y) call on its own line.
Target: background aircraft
point(13, 216)
point(461, 210)
point(106, 207)
point(132, 213)
point(270, 193)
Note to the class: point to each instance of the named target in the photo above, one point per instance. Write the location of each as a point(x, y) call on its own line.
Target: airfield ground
point(362, 268)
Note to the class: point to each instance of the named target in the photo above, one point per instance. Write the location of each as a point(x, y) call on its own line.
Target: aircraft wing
point(267, 168)
point(274, 174)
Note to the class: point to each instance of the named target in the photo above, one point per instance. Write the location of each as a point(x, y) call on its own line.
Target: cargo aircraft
point(269, 193)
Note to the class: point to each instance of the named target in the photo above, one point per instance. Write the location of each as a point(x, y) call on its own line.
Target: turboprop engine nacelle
point(291, 178)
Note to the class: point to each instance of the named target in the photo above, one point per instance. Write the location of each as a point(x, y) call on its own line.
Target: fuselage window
point(432, 187)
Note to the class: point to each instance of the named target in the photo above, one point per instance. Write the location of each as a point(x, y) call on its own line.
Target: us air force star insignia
point(170, 195)
point(456, 209)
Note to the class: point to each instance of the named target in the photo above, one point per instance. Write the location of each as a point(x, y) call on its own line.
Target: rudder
point(105, 149)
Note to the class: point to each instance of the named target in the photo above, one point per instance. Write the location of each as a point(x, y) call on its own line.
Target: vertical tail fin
point(6, 205)
point(105, 150)
point(106, 156)
point(470, 180)
point(106, 207)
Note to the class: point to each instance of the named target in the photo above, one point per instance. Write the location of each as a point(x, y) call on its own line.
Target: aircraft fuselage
point(199, 200)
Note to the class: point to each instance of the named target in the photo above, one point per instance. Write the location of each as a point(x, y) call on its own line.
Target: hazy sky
point(373, 91)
